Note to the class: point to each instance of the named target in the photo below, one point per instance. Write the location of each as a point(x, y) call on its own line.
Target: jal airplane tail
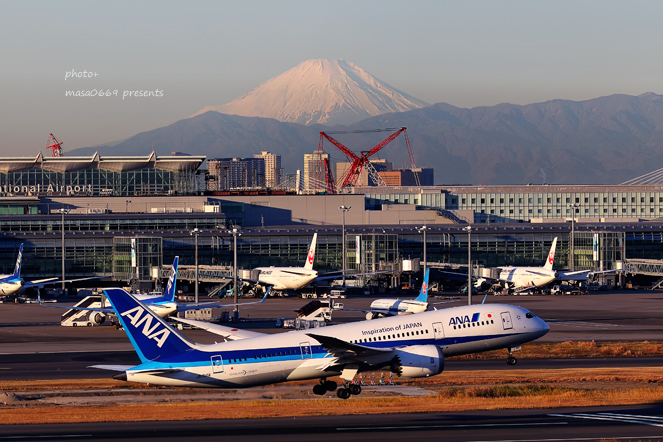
point(17, 269)
point(551, 256)
point(308, 265)
point(423, 293)
point(169, 294)
point(152, 338)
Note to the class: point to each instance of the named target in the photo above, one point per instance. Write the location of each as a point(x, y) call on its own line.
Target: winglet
point(151, 336)
point(423, 293)
point(17, 269)
point(551, 256)
point(308, 265)
point(172, 281)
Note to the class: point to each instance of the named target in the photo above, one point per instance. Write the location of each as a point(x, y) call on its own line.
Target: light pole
point(63, 211)
point(423, 230)
point(195, 232)
point(468, 229)
point(343, 209)
point(126, 206)
point(573, 207)
point(235, 233)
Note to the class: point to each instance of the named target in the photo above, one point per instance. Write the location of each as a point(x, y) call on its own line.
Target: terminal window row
point(558, 211)
point(558, 200)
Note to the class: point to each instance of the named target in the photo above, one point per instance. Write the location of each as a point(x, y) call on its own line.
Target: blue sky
point(200, 53)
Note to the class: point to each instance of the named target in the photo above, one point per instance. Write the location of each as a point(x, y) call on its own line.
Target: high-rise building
point(273, 170)
point(314, 172)
point(235, 173)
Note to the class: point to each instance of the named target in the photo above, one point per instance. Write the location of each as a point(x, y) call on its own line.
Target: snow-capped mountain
point(320, 91)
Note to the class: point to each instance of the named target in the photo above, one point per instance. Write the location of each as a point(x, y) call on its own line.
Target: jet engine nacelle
point(418, 361)
point(99, 318)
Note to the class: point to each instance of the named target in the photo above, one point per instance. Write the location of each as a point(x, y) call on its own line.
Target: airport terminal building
point(98, 200)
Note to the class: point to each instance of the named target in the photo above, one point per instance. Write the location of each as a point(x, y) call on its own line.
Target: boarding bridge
point(215, 274)
point(85, 318)
point(650, 267)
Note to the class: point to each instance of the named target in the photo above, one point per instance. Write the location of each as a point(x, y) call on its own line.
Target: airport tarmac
point(618, 315)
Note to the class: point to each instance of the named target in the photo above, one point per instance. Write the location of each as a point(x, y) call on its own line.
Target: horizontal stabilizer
point(112, 367)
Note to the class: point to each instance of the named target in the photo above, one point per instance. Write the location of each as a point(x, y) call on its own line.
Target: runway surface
point(574, 424)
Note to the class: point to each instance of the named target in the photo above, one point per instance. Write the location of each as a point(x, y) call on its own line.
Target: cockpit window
point(529, 315)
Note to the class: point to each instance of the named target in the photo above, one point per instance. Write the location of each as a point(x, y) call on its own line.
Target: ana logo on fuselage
point(459, 320)
point(135, 315)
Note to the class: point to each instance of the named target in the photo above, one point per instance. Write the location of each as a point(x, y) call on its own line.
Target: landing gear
point(324, 386)
point(348, 389)
point(511, 360)
point(344, 391)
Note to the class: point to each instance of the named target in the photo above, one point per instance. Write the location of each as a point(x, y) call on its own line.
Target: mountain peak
point(321, 91)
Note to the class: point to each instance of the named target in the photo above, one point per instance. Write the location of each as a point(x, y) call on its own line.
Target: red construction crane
point(55, 146)
point(358, 161)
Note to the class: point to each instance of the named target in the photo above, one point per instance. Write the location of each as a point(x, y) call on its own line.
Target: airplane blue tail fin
point(17, 269)
point(169, 294)
point(423, 293)
point(152, 338)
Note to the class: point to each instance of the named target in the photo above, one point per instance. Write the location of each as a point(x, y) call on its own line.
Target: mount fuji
point(319, 91)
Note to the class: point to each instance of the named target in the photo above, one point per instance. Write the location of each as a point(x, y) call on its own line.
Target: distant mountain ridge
point(605, 140)
point(326, 92)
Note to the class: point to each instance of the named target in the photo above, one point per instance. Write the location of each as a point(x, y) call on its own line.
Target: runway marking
point(45, 436)
point(586, 324)
point(653, 421)
point(420, 427)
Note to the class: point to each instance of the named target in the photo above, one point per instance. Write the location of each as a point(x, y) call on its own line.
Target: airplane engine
point(99, 318)
point(418, 361)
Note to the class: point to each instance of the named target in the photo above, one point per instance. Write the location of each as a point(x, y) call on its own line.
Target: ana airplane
point(12, 284)
point(412, 346)
point(295, 278)
point(166, 304)
point(394, 307)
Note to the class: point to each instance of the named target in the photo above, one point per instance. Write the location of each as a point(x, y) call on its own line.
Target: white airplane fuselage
point(388, 307)
point(286, 278)
point(417, 344)
point(525, 277)
point(9, 287)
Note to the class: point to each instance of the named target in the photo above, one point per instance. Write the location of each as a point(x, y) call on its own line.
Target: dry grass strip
point(454, 391)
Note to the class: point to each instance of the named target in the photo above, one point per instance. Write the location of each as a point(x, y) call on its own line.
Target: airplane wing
point(348, 275)
point(40, 283)
point(229, 333)
point(340, 348)
point(582, 275)
point(201, 305)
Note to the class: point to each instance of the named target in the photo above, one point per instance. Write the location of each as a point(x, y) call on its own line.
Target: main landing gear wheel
point(355, 389)
point(343, 393)
point(324, 386)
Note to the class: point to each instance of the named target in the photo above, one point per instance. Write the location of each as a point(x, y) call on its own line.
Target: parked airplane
point(412, 346)
point(166, 304)
point(12, 284)
point(394, 307)
point(522, 278)
point(295, 278)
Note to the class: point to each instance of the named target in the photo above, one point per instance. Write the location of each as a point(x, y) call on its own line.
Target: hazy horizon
point(205, 53)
